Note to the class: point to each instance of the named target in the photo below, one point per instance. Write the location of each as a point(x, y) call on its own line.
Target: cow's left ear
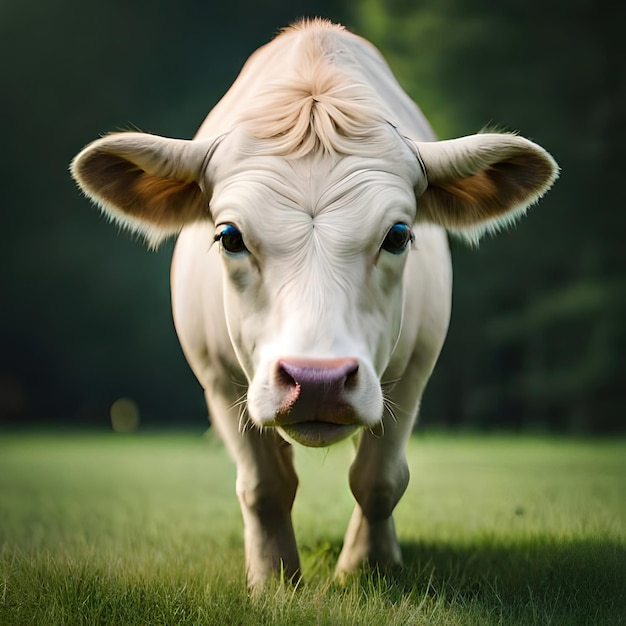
point(148, 184)
point(483, 182)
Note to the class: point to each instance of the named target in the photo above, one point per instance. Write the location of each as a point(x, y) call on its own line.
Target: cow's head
point(314, 209)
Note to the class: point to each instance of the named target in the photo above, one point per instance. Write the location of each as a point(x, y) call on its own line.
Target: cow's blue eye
point(397, 239)
point(231, 240)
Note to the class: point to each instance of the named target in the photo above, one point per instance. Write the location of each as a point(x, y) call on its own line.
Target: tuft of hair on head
point(316, 106)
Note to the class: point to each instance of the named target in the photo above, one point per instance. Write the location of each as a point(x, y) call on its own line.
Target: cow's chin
point(315, 434)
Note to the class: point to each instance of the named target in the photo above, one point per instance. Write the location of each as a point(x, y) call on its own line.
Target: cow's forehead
point(267, 190)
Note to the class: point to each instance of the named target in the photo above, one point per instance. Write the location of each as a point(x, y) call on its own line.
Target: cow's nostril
point(351, 375)
point(284, 378)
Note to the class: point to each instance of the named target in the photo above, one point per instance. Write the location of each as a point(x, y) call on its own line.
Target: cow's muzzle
point(315, 409)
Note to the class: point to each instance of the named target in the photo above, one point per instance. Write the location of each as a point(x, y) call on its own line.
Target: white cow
point(311, 280)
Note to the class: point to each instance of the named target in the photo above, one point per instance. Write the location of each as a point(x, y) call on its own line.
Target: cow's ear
point(483, 182)
point(151, 185)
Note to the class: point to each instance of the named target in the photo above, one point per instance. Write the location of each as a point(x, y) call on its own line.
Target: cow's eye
point(231, 240)
point(397, 239)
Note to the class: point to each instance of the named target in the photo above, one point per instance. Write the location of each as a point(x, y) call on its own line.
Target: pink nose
point(316, 385)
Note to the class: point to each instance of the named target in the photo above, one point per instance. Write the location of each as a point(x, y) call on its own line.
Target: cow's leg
point(266, 487)
point(379, 476)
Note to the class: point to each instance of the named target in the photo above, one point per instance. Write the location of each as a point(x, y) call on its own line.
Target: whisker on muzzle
point(245, 422)
point(388, 385)
point(238, 383)
point(241, 403)
point(389, 408)
point(378, 430)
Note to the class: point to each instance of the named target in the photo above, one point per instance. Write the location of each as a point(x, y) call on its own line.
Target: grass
point(145, 529)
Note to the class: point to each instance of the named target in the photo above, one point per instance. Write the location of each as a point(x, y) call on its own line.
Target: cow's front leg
point(379, 476)
point(266, 487)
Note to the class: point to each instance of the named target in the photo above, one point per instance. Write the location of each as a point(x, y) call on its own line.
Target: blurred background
point(537, 339)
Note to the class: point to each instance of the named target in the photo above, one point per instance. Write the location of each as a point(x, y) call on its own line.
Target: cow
point(311, 277)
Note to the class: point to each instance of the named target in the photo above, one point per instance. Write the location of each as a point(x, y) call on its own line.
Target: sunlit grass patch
point(145, 529)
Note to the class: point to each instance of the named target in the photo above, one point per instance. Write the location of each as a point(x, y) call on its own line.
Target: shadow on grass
point(536, 581)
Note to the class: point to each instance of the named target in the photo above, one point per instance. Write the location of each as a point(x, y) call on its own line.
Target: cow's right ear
point(149, 184)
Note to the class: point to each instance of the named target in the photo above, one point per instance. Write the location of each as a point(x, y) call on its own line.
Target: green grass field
point(145, 529)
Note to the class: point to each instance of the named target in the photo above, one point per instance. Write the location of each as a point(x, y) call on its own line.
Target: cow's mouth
point(316, 434)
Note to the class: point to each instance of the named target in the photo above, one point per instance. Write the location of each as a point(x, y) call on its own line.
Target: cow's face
point(313, 251)
point(314, 247)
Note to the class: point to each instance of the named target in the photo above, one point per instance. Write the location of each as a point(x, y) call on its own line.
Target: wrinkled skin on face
point(311, 278)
